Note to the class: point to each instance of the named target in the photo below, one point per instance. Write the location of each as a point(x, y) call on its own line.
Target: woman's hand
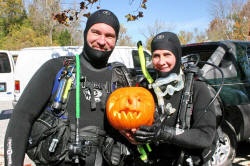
point(129, 135)
point(154, 133)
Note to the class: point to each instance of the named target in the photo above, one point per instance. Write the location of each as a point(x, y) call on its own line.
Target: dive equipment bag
point(50, 133)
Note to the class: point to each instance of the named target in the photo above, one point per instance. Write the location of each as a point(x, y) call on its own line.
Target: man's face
point(163, 60)
point(101, 37)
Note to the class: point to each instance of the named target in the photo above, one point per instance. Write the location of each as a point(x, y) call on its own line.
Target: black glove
point(154, 133)
point(114, 152)
point(165, 134)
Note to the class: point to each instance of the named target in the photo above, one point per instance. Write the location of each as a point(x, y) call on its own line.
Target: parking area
point(6, 109)
point(242, 158)
point(5, 105)
point(243, 155)
point(3, 126)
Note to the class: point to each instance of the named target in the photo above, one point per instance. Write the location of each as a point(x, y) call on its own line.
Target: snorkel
point(146, 74)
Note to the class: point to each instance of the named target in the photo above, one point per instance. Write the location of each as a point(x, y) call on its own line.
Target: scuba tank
point(65, 82)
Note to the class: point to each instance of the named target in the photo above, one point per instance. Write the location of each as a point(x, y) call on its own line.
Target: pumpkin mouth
point(129, 114)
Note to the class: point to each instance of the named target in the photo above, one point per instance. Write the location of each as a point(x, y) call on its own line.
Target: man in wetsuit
point(100, 36)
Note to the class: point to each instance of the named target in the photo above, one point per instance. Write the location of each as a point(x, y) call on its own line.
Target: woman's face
point(163, 60)
point(101, 37)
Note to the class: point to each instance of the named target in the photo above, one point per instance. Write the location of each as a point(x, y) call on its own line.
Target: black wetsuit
point(34, 99)
point(193, 141)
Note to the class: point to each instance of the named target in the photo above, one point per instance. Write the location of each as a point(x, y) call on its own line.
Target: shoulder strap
point(186, 105)
point(56, 82)
point(59, 74)
point(121, 74)
point(117, 64)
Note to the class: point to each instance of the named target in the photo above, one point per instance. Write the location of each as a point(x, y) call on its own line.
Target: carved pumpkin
point(130, 107)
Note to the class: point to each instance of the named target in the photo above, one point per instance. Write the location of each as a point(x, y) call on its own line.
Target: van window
point(136, 58)
point(4, 63)
point(15, 56)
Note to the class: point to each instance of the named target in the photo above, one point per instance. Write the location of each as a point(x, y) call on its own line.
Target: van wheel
point(225, 151)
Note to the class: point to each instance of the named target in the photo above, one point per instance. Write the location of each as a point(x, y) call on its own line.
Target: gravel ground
point(3, 126)
point(6, 106)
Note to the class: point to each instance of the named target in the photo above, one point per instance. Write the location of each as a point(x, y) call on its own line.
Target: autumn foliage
point(66, 16)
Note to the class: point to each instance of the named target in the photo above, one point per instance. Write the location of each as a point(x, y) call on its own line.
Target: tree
point(230, 20)
point(246, 9)
point(185, 37)
point(66, 16)
point(22, 36)
point(64, 38)
point(124, 39)
point(153, 30)
point(200, 36)
point(242, 26)
point(12, 12)
point(40, 15)
point(216, 30)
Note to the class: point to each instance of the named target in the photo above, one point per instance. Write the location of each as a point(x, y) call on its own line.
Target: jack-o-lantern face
point(130, 107)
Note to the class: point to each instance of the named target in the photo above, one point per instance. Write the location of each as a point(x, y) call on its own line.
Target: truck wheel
point(225, 151)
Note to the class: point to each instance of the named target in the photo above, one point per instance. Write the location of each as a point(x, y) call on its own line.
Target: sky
point(176, 15)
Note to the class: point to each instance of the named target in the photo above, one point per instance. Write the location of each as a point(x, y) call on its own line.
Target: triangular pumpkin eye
point(130, 107)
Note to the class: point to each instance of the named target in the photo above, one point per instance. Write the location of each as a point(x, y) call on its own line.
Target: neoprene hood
point(95, 57)
point(168, 41)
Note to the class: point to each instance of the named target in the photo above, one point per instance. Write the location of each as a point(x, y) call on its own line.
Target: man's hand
point(114, 153)
point(115, 156)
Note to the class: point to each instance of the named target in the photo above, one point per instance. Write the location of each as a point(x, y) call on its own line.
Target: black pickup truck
point(233, 60)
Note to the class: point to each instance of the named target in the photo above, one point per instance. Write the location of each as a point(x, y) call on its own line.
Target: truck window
point(248, 53)
point(4, 63)
point(227, 66)
point(248, 62)
point(243, 59)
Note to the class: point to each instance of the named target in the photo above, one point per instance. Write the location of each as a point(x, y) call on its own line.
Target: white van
point(7, 67)
point(129, 56)
point(30, 59)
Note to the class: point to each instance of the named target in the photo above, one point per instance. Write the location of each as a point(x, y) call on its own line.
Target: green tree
point(64, 38)
point(40, 15)
point(12, 12)
point(23, 36)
